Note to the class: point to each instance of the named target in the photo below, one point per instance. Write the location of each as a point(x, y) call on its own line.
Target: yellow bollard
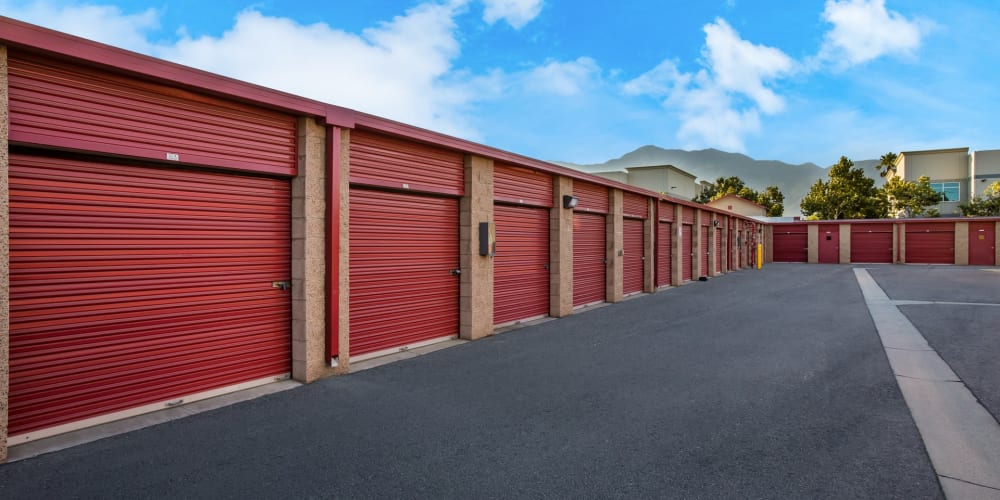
point(760, 256)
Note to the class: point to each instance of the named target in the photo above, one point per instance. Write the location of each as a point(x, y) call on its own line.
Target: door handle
point(283, 285)
point(456, 272)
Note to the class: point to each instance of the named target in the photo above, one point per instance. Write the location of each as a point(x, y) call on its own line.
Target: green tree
point(849, 194)
point(988, 204)
point(910, 198)
point(887, 164)
point(771, 198)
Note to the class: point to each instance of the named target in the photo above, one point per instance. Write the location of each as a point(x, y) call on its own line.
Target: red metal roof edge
point(889, 221)
point(22, 35)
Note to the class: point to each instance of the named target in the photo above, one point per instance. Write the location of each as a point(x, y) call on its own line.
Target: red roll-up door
point(521, 186)
point(132, 286)
point(718, 250)
point(404, 250)
point(68, 106)
point(635, 206)
point(871, 243)
point(687, 247)
point(520, 267)
point(664, 261)
point(588, 258)
point(791, 243)
point(705, 251)
point(389, 162)
point(632, 235)
point(591, 197)
point(982, 244)
point(930, 242)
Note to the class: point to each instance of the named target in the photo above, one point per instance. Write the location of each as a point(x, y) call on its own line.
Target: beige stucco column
point(676, 247)
point(476, 289)
point(713, 234)
point(561, 250)
point(813, 243)
point(845, 243)
point(343, 256)
point(899, 243)
point(649, 248)
point(615, 246)
point(309, 351)
point(4, 256)
point(962, 243)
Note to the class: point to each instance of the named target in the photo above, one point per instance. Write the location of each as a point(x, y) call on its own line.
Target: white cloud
point(102, 23)
point(517, 13)
point(563, 78)
point(722, 103)
point(864, 30)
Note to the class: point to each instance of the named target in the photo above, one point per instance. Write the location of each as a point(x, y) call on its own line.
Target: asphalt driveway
point(757, 384)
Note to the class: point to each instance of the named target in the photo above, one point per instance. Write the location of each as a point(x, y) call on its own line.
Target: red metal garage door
point(134, 285)
point(664, 267)
point(791, 243)
point(520, 267)
point(633, 259)
point(705, 250)
point(588, 258)
point(930, 242)
point(404, 251)
point(982, 244)
point(687, 247)
point(718, 250)
point(829, 244)
point(871, 243)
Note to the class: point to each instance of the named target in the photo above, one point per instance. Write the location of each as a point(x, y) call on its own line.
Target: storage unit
point(664, 237)
point(687, 252)
point(632, 267)
point(791, 242)
point(133, 285)
point(589, 272)
point(829, 244)
point(930, 242)
point(982, 243)
point(404, 260)
point(871, 243)
point(521, 263)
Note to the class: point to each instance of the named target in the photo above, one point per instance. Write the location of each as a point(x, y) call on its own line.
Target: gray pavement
point(757, 384)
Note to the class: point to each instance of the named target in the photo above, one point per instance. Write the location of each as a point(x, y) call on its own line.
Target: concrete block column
point(712, 236)
point(4, 256)
point(696, 245)
point(813, 243)
point(615, 244)
point(649, 248)
point(561, 250)
point(476, 288)
point(676, 247)
point(899, 243)
point(343, 249)
point(962, 243)
point(845, 243)
point(309, 350)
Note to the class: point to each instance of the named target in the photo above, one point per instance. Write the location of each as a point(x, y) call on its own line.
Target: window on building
point(950, 190)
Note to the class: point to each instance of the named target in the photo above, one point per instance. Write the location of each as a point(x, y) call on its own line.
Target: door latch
point(456, 272)
point(284, 285)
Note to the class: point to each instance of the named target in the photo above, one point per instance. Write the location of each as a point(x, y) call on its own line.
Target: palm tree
point(887, 164)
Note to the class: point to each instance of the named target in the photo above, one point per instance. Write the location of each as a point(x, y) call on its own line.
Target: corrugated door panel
point(521, 186)
point(664, 263)
point(384, 161)
point(520, 267)
point(133, 285)
point(404, 248)
point(687, 247)
point(791, 243)
point(982, 244)
point(588, 258)
point(718, 250)
point(930, 242)
point(592, 197)
point(687, 215)
point(66, 106)
point(705, 250)
point(634, 205)
point(871, 243)
point(632, 238)
point(666, 211)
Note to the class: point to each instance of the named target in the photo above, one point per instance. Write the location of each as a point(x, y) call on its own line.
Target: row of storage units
point(901, 241)
point(164, 223)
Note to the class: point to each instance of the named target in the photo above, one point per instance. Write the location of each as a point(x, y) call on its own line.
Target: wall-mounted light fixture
point(570, 201)
point(715, 222)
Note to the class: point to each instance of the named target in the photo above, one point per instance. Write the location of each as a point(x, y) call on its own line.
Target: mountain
point(708, 164)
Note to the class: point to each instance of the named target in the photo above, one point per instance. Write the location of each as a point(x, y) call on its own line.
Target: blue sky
point(589, 81)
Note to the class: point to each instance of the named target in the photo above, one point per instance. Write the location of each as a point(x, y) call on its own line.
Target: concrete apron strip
point(937, 303)
point(962, 438)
